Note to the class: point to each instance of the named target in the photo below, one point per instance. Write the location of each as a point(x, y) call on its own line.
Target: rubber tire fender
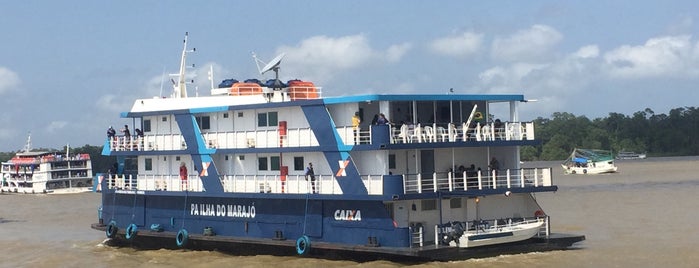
point(111, 229)
point(131, 231)
point(181, 238)
point(303, 245)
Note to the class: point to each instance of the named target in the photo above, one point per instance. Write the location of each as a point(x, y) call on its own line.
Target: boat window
point(148, 164)
point(146, 125)
point(274, 162)
point(391, 161)
point(298, 163)
point(269, 119)
point(429, 204)
point(262, 163)
point(204, 122)
point(455, 203)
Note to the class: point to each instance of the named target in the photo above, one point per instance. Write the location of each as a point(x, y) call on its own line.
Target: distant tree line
point(674, 134)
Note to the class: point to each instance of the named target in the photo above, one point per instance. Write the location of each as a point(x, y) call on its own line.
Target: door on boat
point(426, 166)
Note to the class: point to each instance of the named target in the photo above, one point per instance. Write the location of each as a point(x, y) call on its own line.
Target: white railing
point(327, 184)
point(417, 236)
point(303, 137)
point(450, 181)
point(453, 133)
point(295, 184)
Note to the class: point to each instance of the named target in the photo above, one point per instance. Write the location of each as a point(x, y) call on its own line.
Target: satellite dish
point(272, 64)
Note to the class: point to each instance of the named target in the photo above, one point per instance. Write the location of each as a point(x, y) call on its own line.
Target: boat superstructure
point(46, 172)
point(230, 169)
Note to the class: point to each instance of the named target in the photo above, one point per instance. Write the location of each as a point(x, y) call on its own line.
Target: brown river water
point(645, 215)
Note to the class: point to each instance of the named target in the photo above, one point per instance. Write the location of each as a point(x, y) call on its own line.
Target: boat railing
point(447, 181)
point(417, 236)
point(295, 184)
point(328, 183)
point(508, 131)
point(302, 137)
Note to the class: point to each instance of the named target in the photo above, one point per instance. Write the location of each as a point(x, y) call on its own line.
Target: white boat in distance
point(46, 172)
point(630, 155)
point(589, 161)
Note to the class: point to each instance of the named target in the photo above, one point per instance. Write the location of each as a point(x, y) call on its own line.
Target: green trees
point(657, 134)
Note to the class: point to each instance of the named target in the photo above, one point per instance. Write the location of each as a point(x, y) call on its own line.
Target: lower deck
point(150, 239)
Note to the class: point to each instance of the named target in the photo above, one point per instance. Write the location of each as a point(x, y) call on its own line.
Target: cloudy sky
point(68, 68)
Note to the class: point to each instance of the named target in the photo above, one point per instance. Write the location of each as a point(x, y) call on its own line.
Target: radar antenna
point(180, 86)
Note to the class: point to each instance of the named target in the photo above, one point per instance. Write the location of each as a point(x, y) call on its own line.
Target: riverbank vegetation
point(672, 134)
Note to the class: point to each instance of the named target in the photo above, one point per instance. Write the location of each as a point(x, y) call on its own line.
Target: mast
point(28, 145)
point(180, 86)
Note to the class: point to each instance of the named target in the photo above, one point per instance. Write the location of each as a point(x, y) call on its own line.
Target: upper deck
point(254, 121)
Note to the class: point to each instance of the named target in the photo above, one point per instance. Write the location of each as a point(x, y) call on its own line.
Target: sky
point(69, 68)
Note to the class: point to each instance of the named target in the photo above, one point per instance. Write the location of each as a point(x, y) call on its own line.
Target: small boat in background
point(630, 155)
point(589, 161)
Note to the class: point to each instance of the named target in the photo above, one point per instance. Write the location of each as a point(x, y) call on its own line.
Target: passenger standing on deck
point(126, 131)
point(111, 133)
point(127, 136)
point(183, 175)
point(310, 173)
point(494, 165)
point(355, 126)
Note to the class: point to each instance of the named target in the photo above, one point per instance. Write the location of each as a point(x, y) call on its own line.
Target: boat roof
point(37, 153)
point(154, 106)
point(425, 97)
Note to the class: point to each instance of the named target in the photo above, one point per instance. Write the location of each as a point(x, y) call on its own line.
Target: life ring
point(303, 245)
point(131, 231)
point(539, 213)
point(181, 238)
point(112, 229)
point(573, 172)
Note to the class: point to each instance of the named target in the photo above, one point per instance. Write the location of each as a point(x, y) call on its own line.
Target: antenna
point(162, 78)
point(211, 75)
point(180, 87)
point(271, 65)
point(28, 145)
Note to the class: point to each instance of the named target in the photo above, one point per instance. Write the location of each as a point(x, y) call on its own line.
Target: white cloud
point(319, 58)
point(533, 44)
point(667, 56)
point(462, 45)
point(552, 83)
point(8, 80)
point(56, 126)
point(396, 52)
point(507, 79)
point(586, 52)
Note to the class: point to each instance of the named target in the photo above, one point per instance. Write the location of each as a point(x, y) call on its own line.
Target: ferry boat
point(46, 172)
point(230, 172)
point(589, 161)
